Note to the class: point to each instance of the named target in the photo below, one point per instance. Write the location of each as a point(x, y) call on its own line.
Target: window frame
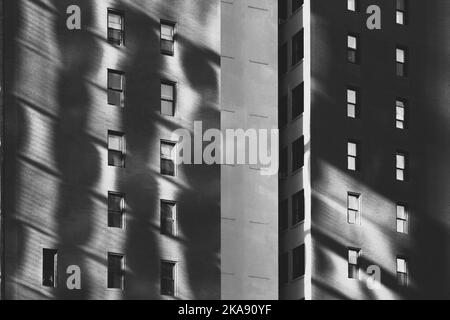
point(121, 92)
point(301, 273)
point(403, 66)
point(403, 11)
point(356, 104)
point(356, 158)
point(120, 13)
point(356, 50)
point(175, 277)
point(405, 108)
point(356, 265)
point(356, 6)
point(175, 170)
point(122, 271)
point(123, 151)
point(404, 220)
point(173, 25)
point(295, 59)
point(357, 213)
point(174, 86)
point(399, 273)
point(174, 218)
point(54, 253)
point(296, 167)
point(405, 171)
point(301, 218)
point(121, 212)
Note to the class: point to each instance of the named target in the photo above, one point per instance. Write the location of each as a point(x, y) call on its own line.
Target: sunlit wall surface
point(249, 235)
point(57, 169)
point(425, 141)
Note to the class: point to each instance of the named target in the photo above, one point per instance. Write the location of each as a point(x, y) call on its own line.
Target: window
point(401, 62)
point(115, 271)
point(167, 38)
point(168, 218)
point(297, 100)
point(168, 278)
point(298, 207)
point(402, 272)
point(284, 268)
point(283, 211)
point(297, 47)
point(282, 59)
point(116, 85)
point(296, 4)
point(353, 208)
point(353, 263)
point(402, 219)
point(115, 27)
point(168, 158)
point(49, 268)
point(352, 49)
point(297, 154)
point(284, 163)
point(298, 262)
point(352, 103)
point(401, 166)
point(400, 12)
point(116, 149)
point(116, 208)
point(352, 5)
point(283, 111)
point(282, 10)
point(400, 114)
point(168, 92)
point(352, 156)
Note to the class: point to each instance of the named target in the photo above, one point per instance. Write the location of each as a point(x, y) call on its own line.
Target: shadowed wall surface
point(56, 142)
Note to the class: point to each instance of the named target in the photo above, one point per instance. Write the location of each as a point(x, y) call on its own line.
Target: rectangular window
point(115, 27)
point(400, 12)
point(297, 47)
point(352, 5)
point(283, 111)
point(352, 103)
point(401, 166)
point(296, 4)
point(282, 10)
point(402, 218)
point(402, 272)
point(284, 268)
point(354, 208)
point(168, 218)
point(352, 48)
point(353, 263)
point(401, 62)
point(167, 38)
point(168, 93)
point(49, 267)
point(116, 209)
point(168, 150)
point(298, 262)
point(283, 211)
point(168, 278)
point(298, 151)
point(284, 163)
point(116, 274)
point(116, 88)
point(353, 156)
point(298, 207)
point(400, 114)
point(297, 100)
point(116, 149)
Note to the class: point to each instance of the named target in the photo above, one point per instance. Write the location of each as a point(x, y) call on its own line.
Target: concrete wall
point(56, 148)
point(249, 100)
point(426, 141)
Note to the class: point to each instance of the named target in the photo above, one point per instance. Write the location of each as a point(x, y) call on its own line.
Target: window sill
point(295, 65)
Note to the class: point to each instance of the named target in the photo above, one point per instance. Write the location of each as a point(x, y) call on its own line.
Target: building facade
point(374, 168)
point(94, 91)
